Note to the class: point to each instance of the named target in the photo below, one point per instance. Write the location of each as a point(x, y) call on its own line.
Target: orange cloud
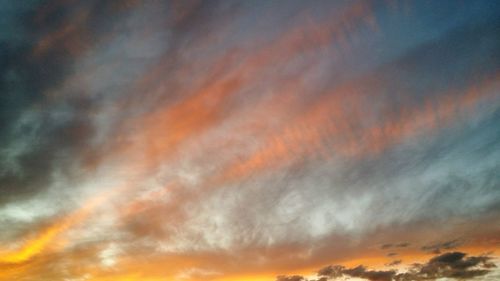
point(209, 99)
point(43, 240)
point(334, 126)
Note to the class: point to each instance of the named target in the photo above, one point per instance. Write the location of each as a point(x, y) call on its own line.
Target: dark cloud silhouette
point(372, 275)
point(331, 271)
point(393, 263)
point(455, 265)
point(290, 278)
point(397, 245)
point(386, 246)
point(334, 272)
point(437, 247)
point(452, 265)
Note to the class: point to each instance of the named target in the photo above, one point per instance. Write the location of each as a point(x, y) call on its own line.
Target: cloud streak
point(243, 141)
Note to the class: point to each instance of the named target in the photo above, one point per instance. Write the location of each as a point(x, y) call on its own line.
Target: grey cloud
point(450, 265)
point(290, 278)
point(336, 271)
point(331, 271)
point(396, 245)
point(39, 133)
point(455, 265)
point(372, 275)
point(393, 263)
point(437, 247)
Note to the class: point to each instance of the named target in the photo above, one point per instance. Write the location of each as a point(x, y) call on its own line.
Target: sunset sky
point(256, 140)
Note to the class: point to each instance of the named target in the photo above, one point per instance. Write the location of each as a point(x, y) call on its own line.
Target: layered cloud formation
point(244, 140)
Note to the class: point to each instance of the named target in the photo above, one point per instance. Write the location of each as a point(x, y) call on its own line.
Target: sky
point(189, 140)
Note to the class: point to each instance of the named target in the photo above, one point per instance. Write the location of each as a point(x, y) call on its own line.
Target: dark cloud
point(450, 265)
point(437, 247)
point(393, 263)
point(455, 265)
point(37, 135)
point(336, 271)
point(372, 275)
point(397, 245)
point(386, 246)
point(40, 133)
point(331, 271)
point(290, 278)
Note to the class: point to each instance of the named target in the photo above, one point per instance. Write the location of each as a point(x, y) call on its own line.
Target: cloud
point(398, 245)
point(212, 135)
point(437, 247)
point(290, 278)
point(331, 271)
point(395, 262)
point(386, 246)
point(334, 272)
point(456, 265)
point(452, 265)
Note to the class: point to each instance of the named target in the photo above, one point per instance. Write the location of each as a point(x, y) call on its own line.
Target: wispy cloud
point(236, 140)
